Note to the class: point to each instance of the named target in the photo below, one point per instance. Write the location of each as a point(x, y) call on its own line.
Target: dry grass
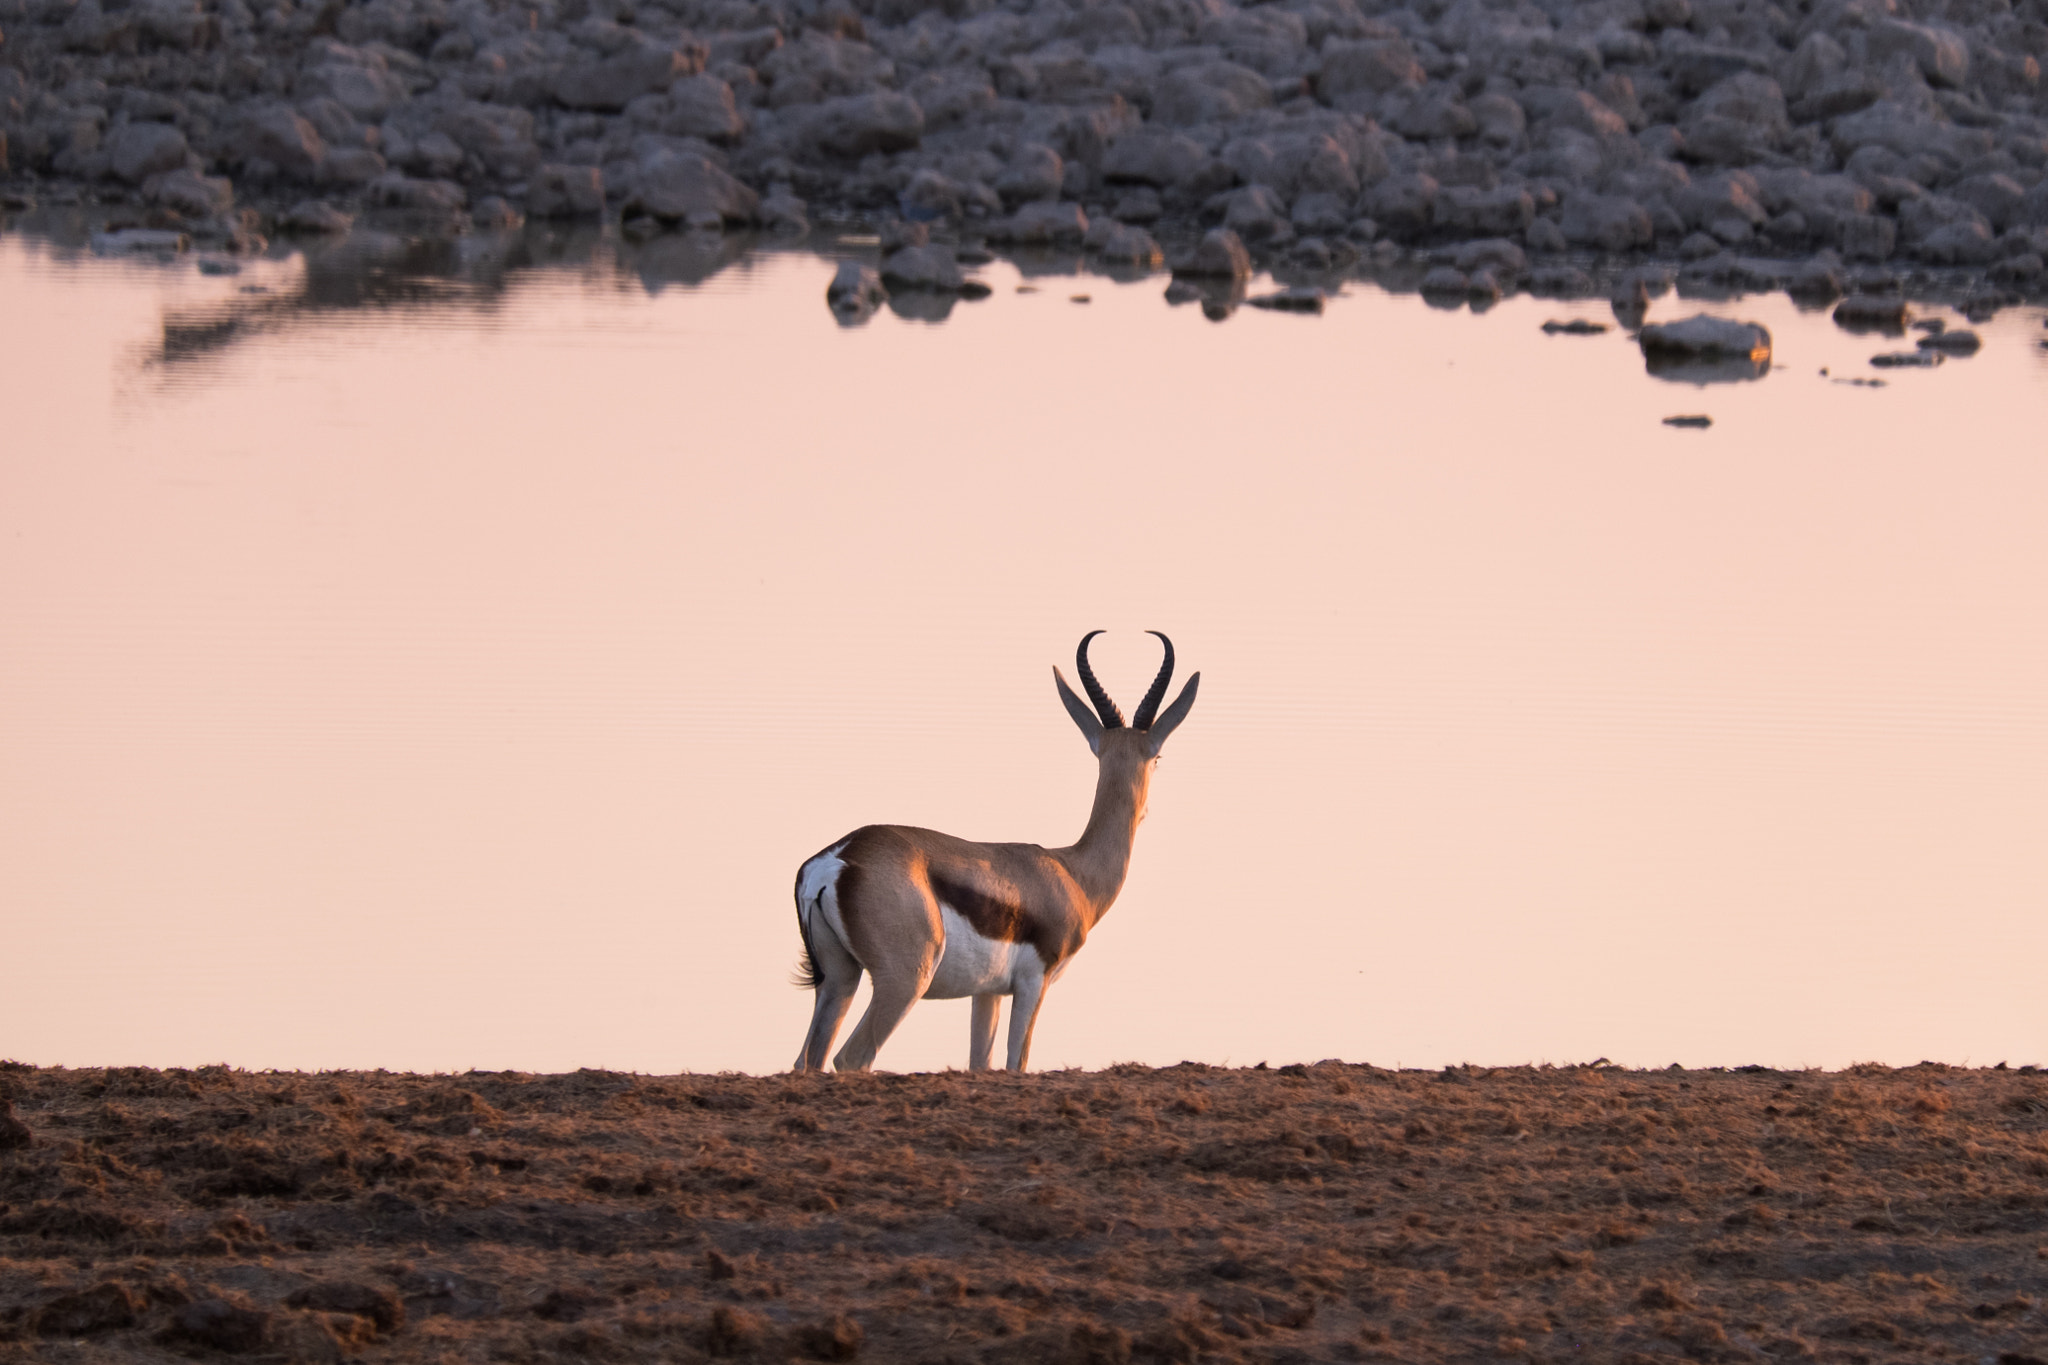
point(1305, 1214)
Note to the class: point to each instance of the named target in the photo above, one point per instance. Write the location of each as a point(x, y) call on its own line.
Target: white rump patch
point(817, 894)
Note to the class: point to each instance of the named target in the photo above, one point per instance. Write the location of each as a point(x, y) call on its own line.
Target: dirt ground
point(1307, 1213)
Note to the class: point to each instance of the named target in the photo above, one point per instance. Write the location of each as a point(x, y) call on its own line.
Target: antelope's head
point(1127, 752)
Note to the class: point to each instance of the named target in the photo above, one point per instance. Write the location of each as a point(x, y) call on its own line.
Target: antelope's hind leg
point(838, 974)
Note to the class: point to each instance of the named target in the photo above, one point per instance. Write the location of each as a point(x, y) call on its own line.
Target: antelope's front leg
point(981, 1033)
point(1023, 1015)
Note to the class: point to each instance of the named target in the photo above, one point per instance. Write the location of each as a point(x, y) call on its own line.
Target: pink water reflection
point(435, 689)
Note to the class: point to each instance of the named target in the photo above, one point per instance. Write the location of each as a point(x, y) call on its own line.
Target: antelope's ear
point(1174, 714)
point(1091, 728)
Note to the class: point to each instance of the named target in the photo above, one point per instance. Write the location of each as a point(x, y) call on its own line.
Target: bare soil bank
point(1311, 1213)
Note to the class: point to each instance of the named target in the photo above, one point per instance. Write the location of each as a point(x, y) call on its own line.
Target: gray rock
point(691, 190)
point(1942, 55)
point(493, 214)
point(1907, 360)
point(1960, 342)
point(923, 267)
point(855, 125)
point(1257, 214)
point(1140, 206)
point(1436, 111)
point(1209, 92)
point(557, 190)
point(1737, 121)
point(1369, 69)
point(350, 166)
point(1043, 224)
point(1318, 214)
point(277, 135)
point(1495, 254)
point(1707, 338)
point(140, 150)
point(360, 82)
point(498, 135)
point(1219, 255)
point(1502, 122)
point(315, 215)
point(642, 68)
point(1866, 237)
point(1446, 283)
point(1128, 247)
point(395, 190)
point(703, 106)
point(1706, 350)
point(1962, 243)
point(1035, 172)
point(1576, 109)
point(1546, 236)
point(781, 212)
point(190, 193)
point(1605, 222)
point(1996, 196)
point(1463, 210)
point(1155, 157)
point(1296, 299)
point(1871, 313)
point(1402, 203)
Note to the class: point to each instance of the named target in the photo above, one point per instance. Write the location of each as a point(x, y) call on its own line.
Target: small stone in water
point(1962, 341)
point(1698, 419)
point(1300, 299)
point(1896, 360)
point(1577, 327)
point(1080, 298)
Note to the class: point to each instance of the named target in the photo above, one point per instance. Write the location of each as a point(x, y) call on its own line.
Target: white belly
point(973, 965)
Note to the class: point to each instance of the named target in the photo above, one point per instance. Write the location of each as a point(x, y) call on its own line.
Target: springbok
point(929, 915)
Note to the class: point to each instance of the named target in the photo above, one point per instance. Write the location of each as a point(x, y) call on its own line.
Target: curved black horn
point(1104, 707)
point(1149, 707)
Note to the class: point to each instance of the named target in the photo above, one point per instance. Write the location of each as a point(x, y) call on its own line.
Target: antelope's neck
point(1102, 856)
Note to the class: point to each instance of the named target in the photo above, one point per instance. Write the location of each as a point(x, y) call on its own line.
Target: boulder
point(1209, 92)
point(1941, 55)
point(1968, 242)
point(1369, 69)
point(680, 187)
point(1402, 203)
point(279, 136)
point(1702, 349)
point(1155, 157)
point(498, 135)
point(1035, 172)
point(1466, 211)
point(1605, 222)
point(556, 190)
point(642, 68)
point(396, 190)
point(1219, 255)
point(923, 267)
point(190, 193)
point(1257, 214)
point(854, 125)
point(1736, 121)
point(1994, 195)
point(1043, 224)
point(315, 215)
point(1129, 247)
point(360, 82)
point(138, 151)
point(703, 106)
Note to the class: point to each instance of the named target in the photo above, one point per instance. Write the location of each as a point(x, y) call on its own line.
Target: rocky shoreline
point(1825, 147)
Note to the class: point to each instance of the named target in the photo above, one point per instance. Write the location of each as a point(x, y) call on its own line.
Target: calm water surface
point(459, 681)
